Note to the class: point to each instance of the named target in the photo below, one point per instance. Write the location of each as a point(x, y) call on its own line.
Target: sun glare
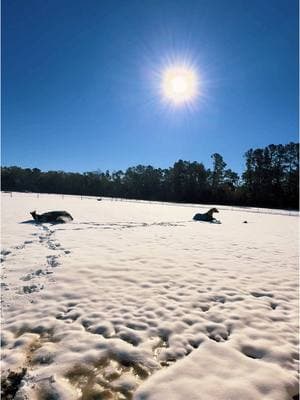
point(179, 85)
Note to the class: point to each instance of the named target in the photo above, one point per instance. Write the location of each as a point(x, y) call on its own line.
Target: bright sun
point(179, 84)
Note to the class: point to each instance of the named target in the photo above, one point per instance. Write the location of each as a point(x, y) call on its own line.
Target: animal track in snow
point(52, 244)
point(120, 226)
point(52, 261)
point(32, 288)
point(4, 286)
point(35, 274)
point(7, 252)
point(35, 279)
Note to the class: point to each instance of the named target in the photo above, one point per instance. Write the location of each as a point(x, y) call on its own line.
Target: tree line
point(270, 179)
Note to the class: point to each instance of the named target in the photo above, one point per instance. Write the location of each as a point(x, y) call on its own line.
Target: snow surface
point(137, 300)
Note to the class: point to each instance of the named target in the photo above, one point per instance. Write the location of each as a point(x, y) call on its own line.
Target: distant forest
point(270, 179)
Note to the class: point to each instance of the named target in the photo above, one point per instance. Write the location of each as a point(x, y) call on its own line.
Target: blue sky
point(80, 81)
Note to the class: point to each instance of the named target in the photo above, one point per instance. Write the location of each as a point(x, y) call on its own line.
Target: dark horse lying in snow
point(207, 217)
point(52, 216)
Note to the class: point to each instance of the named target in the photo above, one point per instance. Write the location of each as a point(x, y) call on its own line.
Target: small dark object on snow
point(245, 222)
point(52, 216)
point(11, 384)
point(207, 217)
point(99, 199)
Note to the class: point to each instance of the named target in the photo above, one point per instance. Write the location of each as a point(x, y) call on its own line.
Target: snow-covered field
point(137, 301)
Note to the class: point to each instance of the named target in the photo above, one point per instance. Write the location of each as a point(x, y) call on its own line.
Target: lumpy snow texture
point(135, 300)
